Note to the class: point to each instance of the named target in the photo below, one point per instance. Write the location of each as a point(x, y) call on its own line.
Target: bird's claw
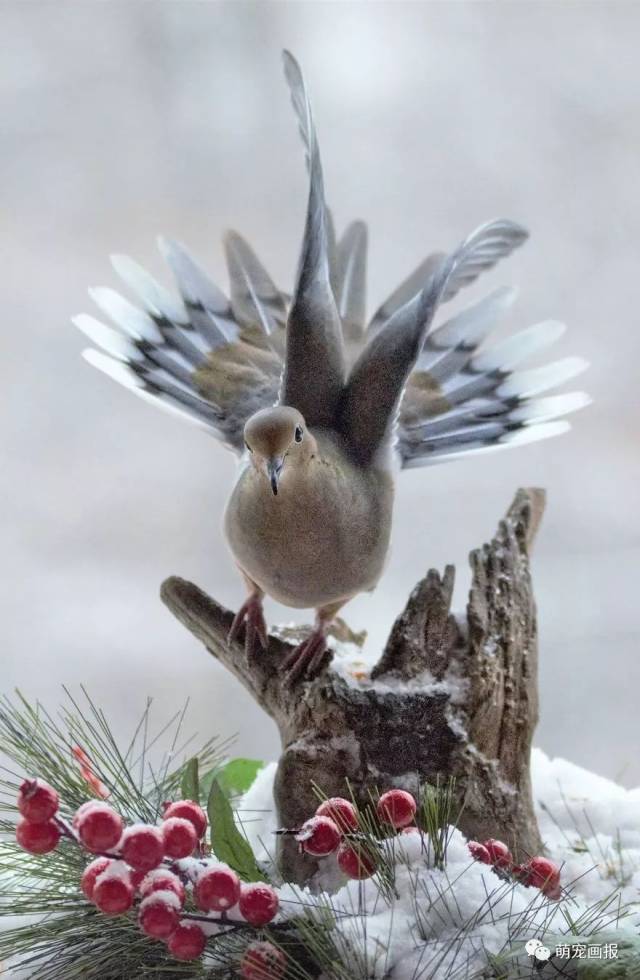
point(250, 616)
point(308, 658)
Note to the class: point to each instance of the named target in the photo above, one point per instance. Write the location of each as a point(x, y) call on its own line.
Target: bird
point(322, 407)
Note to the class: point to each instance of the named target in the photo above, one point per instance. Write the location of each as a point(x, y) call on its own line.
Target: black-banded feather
point(209, 310)
point(462, 399)
point(482, 439)
point(314, 366)
point(189, 356)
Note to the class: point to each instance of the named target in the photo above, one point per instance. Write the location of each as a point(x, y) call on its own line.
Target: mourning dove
point(322, 410)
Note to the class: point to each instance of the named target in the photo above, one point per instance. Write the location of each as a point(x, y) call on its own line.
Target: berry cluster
point(539, 872)
point(139, 866)
point(334, 828)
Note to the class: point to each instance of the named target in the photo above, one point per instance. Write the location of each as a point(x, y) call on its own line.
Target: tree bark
point(445, 699)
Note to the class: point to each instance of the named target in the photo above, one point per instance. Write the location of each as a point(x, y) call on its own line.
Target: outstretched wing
point(466, 398)
point(209, 359)
point(380, 374)
point(314, 364)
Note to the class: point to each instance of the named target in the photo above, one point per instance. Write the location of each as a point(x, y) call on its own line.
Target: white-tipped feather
point(475, 322)
point(194, 283)
point(157, 300)
point(551, 407)
point(110, 340)
point(526, 384)
point(534, 433)
point(510, 352)
point(125, 315)
point(113, 369)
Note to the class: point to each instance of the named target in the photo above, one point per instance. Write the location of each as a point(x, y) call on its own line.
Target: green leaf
point(226, 840)
point(190, 784)
point(235, 776)
point(238, 775)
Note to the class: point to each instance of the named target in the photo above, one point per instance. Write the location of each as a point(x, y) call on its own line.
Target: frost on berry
point(397, 807)
point(188, 810)
point(37, 838)
point(82, 809)
point(90, 874)
point(217, 888)
point(159, 914)
point(142, 847)
point(258, 904)
point(37, 801)
point(319, 836)
point(187, 942)
point(479, 852)
point(179, 836)
point(354, 861)
point(341, 811)
point(160, 879)
point(113, 892)
point(263, 961)
point(99, 826)
point(499, 854)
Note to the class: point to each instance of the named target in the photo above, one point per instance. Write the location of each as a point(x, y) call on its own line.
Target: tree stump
point(446, 698)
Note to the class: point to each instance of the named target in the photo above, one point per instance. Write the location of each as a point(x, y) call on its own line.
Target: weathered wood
point(442, 700)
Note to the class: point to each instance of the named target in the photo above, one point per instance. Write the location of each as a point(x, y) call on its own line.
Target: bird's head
point(275, 438)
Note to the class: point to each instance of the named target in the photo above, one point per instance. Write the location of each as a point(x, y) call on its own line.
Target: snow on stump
point(444, 700)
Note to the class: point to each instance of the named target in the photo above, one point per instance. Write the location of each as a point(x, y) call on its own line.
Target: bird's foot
point(309, 657)
point(251, 616)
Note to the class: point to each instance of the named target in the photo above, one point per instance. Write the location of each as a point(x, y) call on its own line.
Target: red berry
point(161, 880)
point(84, 808)
point(142, 847)
point(263, 961)
point(37, 801)
point(99, 827)
point(397, 807)
point(89, 875)
point(479, 852)
point(319, 836)
point(179, 836)
point(188, 810)
point(37, 838)
point(342, 812)
point(499, 853)
point(258, 904)
point(187, 942)
point(540, 872)
point(159, 914)
point(137, 877)
point(113, 891)
point(354, 861)
point(217, 888)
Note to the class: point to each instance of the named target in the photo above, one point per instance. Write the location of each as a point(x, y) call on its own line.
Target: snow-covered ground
point(443, 923)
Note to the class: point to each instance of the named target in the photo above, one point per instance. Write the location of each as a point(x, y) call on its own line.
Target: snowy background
point(121, 121)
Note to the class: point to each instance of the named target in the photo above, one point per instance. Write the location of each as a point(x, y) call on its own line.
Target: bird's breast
point(323, 538)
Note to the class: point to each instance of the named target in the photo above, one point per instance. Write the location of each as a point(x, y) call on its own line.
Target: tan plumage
point(321, 409)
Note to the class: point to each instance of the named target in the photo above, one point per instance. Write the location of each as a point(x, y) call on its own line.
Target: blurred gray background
point(124, 120)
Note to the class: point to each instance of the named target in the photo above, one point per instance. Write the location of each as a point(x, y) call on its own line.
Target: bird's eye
point(299, 433)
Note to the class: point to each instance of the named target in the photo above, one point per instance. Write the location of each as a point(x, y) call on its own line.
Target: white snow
point(590, 826)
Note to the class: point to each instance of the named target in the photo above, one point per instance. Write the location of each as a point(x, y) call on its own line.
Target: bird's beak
point(274, 468)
